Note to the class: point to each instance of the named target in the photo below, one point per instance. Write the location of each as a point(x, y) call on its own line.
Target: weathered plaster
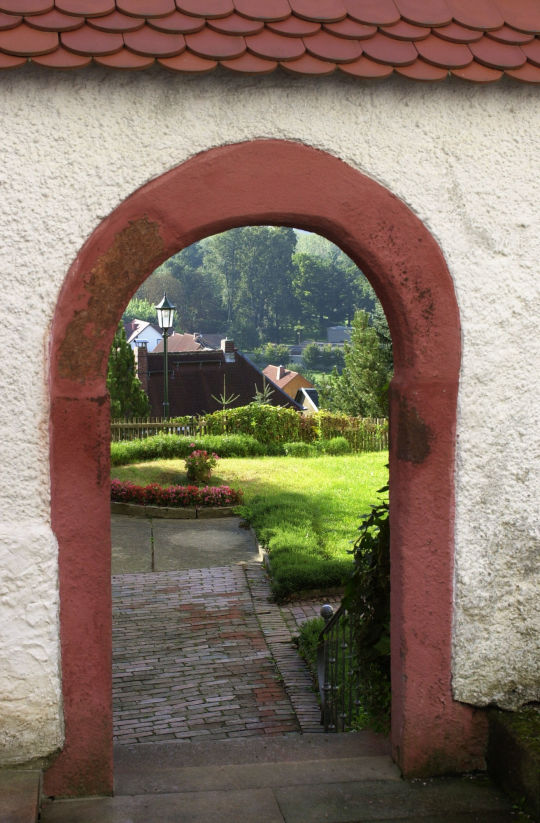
point(466, 161)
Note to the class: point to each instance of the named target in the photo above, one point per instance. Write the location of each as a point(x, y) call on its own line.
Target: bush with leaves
point(367, 597)
point(169, 446)
point(269, 424)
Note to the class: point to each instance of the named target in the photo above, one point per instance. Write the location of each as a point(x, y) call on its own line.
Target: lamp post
point(165, 317)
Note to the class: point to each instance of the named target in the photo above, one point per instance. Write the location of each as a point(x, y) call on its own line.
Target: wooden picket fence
point(363, 434)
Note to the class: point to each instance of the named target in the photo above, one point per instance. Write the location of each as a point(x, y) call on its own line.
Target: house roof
point(476, 40)
point(181, 342)
point(282, 376)
point(136, 327)
point(195, 376)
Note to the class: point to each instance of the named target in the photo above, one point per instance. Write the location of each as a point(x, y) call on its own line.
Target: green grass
point(305, 511)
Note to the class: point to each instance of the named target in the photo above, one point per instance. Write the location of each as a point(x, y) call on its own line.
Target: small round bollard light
point(327, 612)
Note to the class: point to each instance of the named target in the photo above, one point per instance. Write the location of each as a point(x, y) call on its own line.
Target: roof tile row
point(419, 39)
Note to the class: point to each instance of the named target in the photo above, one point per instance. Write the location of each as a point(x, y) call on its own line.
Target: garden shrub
point(164, 446)
point(268, 424)
point(367, 597)
point(335, 446)
point(299, 449)
point(199, 465)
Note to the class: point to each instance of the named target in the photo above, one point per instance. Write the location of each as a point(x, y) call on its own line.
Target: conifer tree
point(128, 398)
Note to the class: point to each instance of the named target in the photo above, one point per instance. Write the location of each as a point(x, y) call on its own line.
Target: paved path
point(203, 653)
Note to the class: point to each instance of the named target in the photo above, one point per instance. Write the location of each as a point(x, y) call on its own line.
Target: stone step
point(19, 795)
point(283, 779)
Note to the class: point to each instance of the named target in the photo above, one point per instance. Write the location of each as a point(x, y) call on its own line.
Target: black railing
point(338, 671)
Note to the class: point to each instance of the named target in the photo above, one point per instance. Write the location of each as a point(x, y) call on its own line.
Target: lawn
point(305, 511)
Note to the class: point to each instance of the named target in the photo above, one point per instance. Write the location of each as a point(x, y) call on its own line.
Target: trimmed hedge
point(165, 446)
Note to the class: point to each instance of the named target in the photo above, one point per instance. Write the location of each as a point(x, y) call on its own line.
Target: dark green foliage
point(367, 598)
point(322, 359)
point(128, 398)
point(172, 445)
point(361, 389)
point(276, 354)
point(336, 445)
point(308, 642)
point(299, 449)
point(271, 425)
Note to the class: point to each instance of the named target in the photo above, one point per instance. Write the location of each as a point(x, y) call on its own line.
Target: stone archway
point(281, 183)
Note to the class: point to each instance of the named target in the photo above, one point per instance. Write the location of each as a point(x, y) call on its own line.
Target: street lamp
point(165, 317)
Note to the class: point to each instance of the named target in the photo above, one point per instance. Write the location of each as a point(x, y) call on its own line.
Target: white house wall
point(465, 158)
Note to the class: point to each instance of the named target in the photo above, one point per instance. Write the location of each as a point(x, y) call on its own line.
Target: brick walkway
point(204, 654)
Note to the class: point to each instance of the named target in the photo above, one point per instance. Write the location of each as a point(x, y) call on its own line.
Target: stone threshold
point(172, 512)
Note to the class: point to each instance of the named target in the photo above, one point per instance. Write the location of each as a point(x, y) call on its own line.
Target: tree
point(128, 398)
point(361, 389)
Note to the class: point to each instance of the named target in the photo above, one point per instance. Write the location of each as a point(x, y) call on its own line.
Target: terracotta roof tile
point(270, 45)
point(63, 59)
point(374, 12)
point(146, 8)
point(9, 61)
point(336, 49)
point(236, 24)
point(420, 70)
point(250, 64)
point(26, 41)
point(87, 40)
point(9, 21)
point(54, 21)
point(294, 27)
point(178, 23)
point(267, 10)
point(125, 59)
point(434, 13)
point(206, 8)
point(532, 52)
point(188, 63)
point(152, 43)
point(406, 31)
point(456, 33)
point(116, 22)
point(309, 65)
point(506, 34)
point(526, 73)
point(442, 53)
point(480, 14)
point(497, 55)
point(476, 40)
point(19, 7)
point(86, 8)
point(523, 15)
point(476, 73)
point(216, 46)
point(364, 67)
point(350, 29)
point(320, 12)
point(385, 49)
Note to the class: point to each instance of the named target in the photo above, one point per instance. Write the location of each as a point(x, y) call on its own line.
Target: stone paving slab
point(131, 546)
point(258, 775)
point(387, 800)
point(195, 544)
point(19, 795)
point(248, 806)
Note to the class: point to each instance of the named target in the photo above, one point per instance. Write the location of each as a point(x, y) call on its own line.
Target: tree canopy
point(260, 284)
point(128, 398)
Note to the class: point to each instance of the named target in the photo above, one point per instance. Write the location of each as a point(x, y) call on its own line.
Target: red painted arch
point(282, 183)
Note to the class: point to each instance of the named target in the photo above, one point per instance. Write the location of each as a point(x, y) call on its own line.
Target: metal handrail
point(337, 670)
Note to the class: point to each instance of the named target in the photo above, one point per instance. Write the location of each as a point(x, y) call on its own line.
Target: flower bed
point(155, 495)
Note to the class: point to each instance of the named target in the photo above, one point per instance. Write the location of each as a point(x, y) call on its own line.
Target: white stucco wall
point(466, 160)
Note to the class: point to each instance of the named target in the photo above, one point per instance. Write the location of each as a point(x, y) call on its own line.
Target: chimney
point(141, 365)
point(280, 372)
point(227, 347)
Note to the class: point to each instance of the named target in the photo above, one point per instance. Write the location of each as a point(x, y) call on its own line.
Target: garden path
point(202, 653)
